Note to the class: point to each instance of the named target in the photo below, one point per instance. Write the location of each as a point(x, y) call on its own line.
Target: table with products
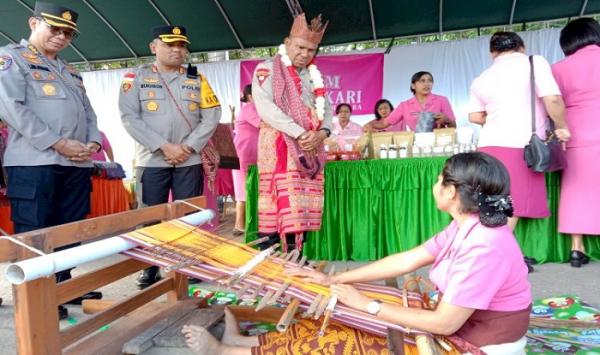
point(374, 208)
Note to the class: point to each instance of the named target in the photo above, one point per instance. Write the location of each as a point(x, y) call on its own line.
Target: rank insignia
point(190, 82)
point(5, 62)
point(51, 77)
point(36, 75)
point(31, 58)
point(151, 94)
point(67, 15)
point(262, 75)
point(152, 106)
point(49, 89)
point(192, 95)
point(193, 106)
point(176, 31)
point(151, 80)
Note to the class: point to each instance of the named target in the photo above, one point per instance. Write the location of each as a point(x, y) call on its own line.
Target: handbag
point(542, 155)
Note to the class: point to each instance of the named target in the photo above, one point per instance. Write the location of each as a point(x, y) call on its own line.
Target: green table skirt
point(375, 208)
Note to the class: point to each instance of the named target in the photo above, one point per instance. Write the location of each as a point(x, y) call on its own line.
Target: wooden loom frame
point(35, 302)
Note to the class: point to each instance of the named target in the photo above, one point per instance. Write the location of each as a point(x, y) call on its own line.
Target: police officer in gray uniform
point(52, 127)
point(171, 113)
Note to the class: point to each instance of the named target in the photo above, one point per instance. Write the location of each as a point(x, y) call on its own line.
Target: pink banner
point(355, 79)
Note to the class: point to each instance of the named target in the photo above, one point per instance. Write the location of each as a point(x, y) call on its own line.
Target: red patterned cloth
point(287, 202)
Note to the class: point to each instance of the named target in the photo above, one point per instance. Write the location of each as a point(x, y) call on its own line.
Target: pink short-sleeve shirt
point(503, 92)
point(407, 113)
point(479, 267)
point(346, 135)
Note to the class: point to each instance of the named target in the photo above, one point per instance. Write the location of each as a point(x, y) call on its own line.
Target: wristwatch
point(327, 131)
point(374, 307)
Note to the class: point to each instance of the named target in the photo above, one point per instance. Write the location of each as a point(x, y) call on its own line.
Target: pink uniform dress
point(578, 77)
point(346, 135)
point(407, 113)
point(503, 92)
point(101, 154)
point(246, 145)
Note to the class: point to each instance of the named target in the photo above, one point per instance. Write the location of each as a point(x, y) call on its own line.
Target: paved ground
point(548, 280)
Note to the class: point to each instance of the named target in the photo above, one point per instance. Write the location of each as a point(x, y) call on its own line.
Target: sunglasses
point(57, 31)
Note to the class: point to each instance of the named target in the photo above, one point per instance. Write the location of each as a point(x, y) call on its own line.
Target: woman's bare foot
point(232, 336)
point(200, 341)
point(231, 329)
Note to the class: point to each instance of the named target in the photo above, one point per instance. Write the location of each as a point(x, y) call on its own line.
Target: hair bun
point(494, 209)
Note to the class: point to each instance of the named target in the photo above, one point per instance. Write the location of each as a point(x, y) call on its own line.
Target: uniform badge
point(126, 86)
point(31, 58)
point(262, 75)
point(151, 80)
point(127, 83)
point(192, 95)
point(5, 62)
point(193, 106)
point(151, 94)
point(152, 106)
point(49, 89)
point(36, 75)
point(176, 31)
point(51, 77)
point(67, 15)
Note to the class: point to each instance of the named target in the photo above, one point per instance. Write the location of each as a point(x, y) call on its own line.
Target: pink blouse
point(346, 135)
point(407, 113)
point(246, 135)
point(479, 267)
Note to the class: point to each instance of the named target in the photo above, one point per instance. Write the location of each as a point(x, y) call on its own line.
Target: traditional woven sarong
point(287, 203)
point(339, 339)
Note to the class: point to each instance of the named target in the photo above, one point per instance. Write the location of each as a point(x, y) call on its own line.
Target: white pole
point(47, 265)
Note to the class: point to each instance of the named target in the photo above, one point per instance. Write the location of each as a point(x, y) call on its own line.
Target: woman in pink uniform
point(578, 77)
point(476, 264)
point(407, 114)
point(246, 145)
point(501, 102)
point(344, 130)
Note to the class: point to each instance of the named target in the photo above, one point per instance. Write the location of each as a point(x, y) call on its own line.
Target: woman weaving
point(476, 264)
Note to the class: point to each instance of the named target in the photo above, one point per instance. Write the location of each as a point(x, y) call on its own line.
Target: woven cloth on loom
point(211, 258)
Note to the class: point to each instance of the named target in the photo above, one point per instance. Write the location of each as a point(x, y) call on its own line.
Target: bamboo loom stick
point(425, 344)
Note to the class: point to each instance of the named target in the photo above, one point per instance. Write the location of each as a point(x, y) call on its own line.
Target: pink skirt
point(239, 185)
point(578, 209)
point(527, 188)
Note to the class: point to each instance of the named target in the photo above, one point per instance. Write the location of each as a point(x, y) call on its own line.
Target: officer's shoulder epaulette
point(15, 46)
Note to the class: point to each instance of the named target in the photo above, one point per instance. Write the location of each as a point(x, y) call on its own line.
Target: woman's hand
point(350, 296)
point(313, 276)
point(563, 134)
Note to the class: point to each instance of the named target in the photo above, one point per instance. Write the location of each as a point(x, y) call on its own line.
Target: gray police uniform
point(42, 101)
point(262, 93)
point(186, 112)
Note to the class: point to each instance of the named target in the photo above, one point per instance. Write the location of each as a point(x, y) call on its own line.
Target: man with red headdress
point(289, 95)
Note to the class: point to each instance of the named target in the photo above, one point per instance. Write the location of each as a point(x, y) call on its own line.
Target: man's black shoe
point(530, 261)
point(193, 280)
point(94, 295)
point(148, 277)
point(63, 313)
